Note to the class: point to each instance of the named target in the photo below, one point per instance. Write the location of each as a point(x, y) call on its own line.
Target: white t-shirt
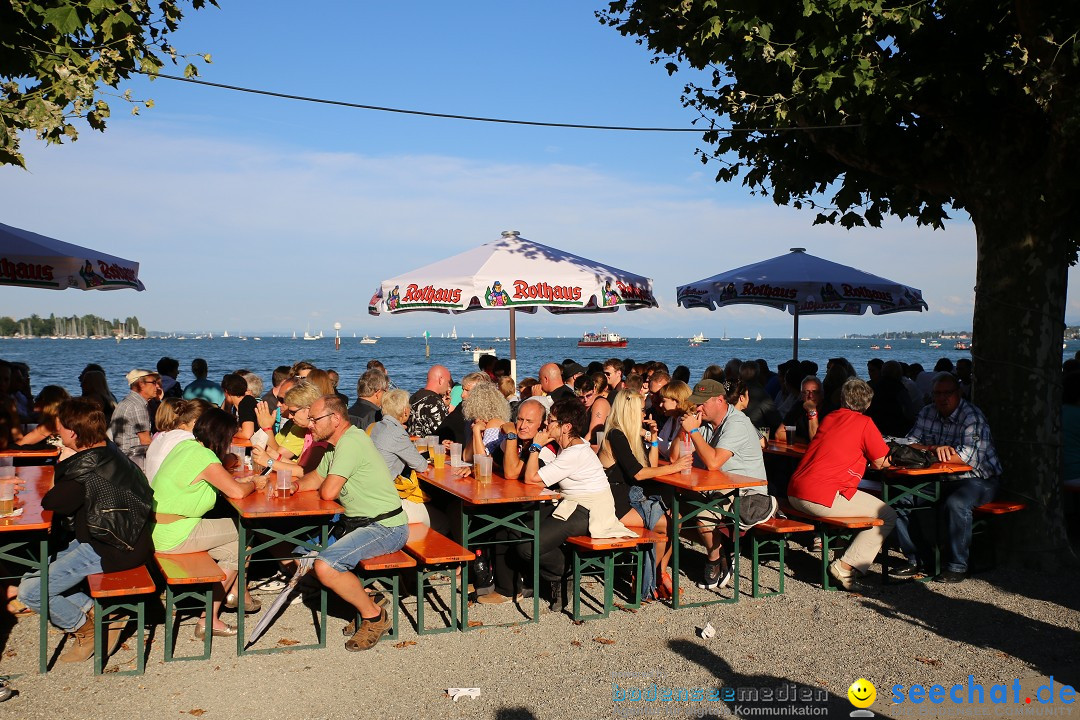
point(576, 470)
point(159, 448)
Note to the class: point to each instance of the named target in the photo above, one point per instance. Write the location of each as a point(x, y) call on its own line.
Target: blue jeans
point(362, 543)
point(961, 496)
point(67, 605)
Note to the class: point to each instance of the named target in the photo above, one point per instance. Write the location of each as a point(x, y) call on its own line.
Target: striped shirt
point(966, 430)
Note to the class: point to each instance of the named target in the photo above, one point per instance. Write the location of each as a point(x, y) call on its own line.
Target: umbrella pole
point(513, 344)
point(795, 338)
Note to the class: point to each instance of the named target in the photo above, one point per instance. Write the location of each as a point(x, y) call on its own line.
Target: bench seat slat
point(136, 581)
point(999, 507)
point(390, 561)
point(195, 568)
point(783, 526)
point(433, 548)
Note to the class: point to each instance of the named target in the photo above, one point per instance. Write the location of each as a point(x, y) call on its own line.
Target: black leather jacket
point(108, 497)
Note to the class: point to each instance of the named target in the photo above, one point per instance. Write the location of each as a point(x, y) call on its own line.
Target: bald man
point(430, 404)
point(551, 382)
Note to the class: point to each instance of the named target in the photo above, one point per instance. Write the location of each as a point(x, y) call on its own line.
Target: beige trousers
point(216, 536)
point(867, 543)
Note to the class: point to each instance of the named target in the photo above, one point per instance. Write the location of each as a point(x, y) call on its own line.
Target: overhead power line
point(477, 118)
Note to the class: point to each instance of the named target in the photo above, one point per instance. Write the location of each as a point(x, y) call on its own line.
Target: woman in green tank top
point(186, 488)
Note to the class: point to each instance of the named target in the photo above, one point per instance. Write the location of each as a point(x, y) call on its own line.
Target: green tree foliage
point(56, 56)
point(863, 108)
point(74, 326)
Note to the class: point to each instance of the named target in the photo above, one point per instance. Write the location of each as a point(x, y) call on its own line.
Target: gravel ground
point(998, 626)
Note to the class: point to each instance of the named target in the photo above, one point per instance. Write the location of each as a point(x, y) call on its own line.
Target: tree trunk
point(1021, 281)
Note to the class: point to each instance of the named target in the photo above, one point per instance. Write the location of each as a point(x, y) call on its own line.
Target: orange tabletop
point(499, 490)
point(19, 452)
point(794, 450)
point(39, 480)
point(938, 468)
point(702, 480)
point(240, 441)
point(301, 504)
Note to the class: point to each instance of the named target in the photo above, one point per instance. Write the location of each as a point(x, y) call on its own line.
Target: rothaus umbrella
point(28, 259)
point(802, 284)
point(514, 274)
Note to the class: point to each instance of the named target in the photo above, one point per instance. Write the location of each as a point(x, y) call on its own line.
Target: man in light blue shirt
point(200, 387)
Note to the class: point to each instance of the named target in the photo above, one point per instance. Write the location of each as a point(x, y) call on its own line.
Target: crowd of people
point(599, 434)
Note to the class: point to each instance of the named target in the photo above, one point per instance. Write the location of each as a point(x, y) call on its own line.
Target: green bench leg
point(602, 565)
point(173, 609)
point(138, 609)
point(422, 581)
point(765, 548)
point(395, 596)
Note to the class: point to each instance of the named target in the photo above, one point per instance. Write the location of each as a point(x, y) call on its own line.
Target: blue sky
point(254, 214)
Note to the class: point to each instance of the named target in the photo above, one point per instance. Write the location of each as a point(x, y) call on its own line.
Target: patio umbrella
point(514, 274)
point(802, 284)
point(31, 260)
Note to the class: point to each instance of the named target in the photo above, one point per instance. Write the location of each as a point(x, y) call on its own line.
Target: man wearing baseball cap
point(130, 426)
point(725, 439)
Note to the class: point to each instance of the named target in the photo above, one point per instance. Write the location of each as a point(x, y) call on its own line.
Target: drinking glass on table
point(482, 468)
point(7, 497)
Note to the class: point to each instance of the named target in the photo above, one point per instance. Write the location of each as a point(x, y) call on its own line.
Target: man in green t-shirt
point(354, 474)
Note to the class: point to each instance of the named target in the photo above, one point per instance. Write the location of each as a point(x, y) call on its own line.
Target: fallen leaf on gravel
point(404, 643)
point(10, 654)
point(475, 623)
point(288, 641)
point(544, 655)
point(603, 640)
point(927, 661)
point(197, 712)
point(575, 643)
point(1001, 654)
point(626, 609)
point(578, 622)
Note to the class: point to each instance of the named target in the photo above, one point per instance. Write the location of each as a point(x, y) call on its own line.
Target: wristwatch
point(269, 463)
point(511, 436)
point(534, 448)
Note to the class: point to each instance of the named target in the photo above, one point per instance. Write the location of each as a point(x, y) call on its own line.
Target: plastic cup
point(421, 445)
point(790, 429)
point(455, 455)
point(687, 449)
point(438, 457)
point(7, 467)
point(284, 482)
point(7, 497)
point(433, 444)
point(482, 469)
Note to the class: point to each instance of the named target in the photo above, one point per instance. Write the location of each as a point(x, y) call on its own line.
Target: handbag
point(905, 456)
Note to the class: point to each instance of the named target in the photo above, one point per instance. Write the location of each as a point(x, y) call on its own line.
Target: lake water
point(58, 362)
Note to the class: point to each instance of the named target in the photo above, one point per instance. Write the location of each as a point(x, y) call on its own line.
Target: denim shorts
point(363, 543)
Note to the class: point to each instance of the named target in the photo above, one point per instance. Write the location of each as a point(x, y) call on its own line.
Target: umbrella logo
point(496, 296)
point(611, 297)
point(729, 293)
point(393, 299)
point(91, 278)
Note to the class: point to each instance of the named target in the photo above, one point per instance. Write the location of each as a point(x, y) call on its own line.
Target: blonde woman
point(626, 463)
point(488, 410)
point(674, 404)
point(392, 441)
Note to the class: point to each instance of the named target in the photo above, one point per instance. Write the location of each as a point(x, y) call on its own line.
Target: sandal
point(17, 609)
point(665, 588)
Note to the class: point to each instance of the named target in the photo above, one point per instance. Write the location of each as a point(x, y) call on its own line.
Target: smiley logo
point(862, 693)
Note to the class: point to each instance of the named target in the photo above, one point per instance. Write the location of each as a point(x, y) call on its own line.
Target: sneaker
point(951, 576)
point(555, 589)
point(493, 598)
point(716, 574)
point(369, 633)
point(6, 691)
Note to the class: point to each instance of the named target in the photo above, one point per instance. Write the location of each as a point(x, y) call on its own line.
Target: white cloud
point(258, 238)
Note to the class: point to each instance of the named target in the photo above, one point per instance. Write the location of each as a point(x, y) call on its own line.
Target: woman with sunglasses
point(296, 405)
point(587, 506)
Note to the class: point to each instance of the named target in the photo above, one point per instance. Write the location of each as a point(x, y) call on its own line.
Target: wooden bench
point(194, 575)
point(599, 557)
point(769, 539)
point(114, 593)
point(830, 530)
point(437, 556)
point(980, 522)
point(385, 569)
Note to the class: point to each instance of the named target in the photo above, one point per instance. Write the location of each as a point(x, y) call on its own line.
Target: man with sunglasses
point(354, 473)
point(130, 426)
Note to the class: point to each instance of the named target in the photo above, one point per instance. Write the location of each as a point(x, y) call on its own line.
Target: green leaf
point(191, 71)
point(64, 19)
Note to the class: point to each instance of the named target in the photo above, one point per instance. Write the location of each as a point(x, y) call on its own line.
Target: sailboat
point(453, 333)
point(758, 338)
point(699, 338)
point(725, 338)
